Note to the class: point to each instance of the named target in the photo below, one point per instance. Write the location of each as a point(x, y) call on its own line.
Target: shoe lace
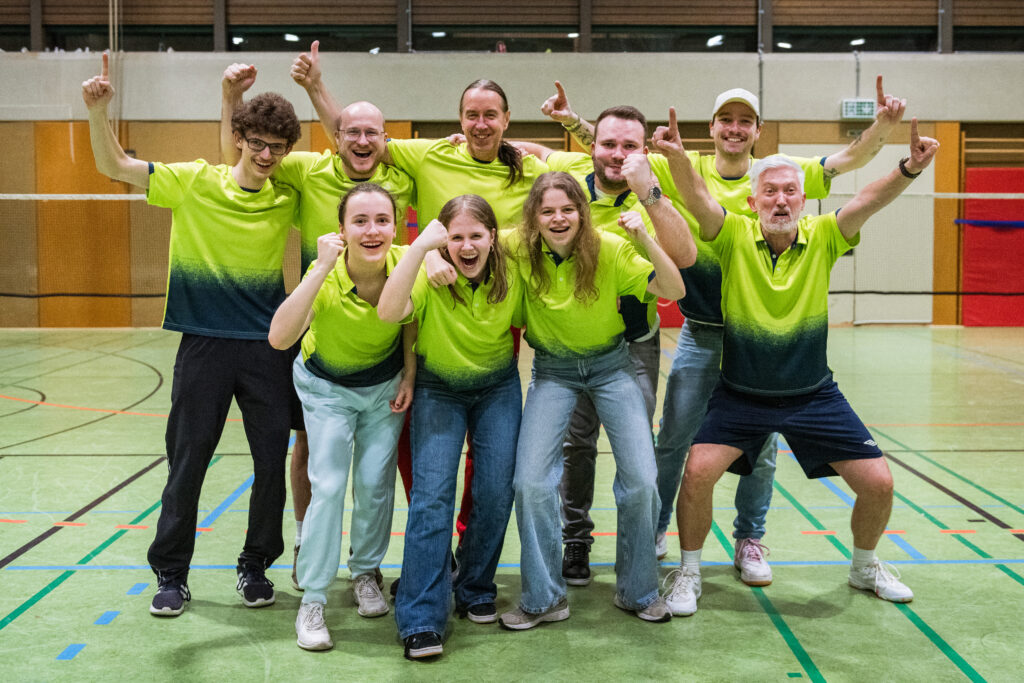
point(678, 581)
point(754, 550)
point(885, 573)
point(253, 576)
point(313, 618)
point(173, 584)
point(366, 587)
point(576, 553)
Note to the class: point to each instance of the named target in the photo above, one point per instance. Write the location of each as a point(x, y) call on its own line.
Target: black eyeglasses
point(257, 145)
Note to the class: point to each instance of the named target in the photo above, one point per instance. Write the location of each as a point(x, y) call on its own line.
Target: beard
point(608, 185)
point(778, 226)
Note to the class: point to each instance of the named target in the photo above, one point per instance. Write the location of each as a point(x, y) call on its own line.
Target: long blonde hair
point(585, 246)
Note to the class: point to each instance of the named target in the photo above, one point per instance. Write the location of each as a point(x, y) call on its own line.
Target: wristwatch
point(653, 197)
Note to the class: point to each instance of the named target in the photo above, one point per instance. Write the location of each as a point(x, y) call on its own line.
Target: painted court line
point(108, 411)
point(71, 651)
point(106, 618)
point(12, 521)
point(138, 588)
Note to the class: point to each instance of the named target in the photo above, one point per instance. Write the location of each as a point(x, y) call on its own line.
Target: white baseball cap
point(737, 95)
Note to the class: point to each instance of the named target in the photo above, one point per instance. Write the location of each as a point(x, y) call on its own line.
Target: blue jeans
point(695, 372)
point(346, 426)
point(440, 418)
point(610, 382)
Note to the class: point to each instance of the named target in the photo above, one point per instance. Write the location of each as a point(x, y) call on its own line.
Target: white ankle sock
point(862, 558)
point(691, 559)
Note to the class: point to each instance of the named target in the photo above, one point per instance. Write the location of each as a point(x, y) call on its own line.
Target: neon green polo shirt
point(641, 319)
point(467, 345)
point(703, 279)
point(347, 343)
point(227, 245)
point(558, 324)
point(442, 171)
point(322, 182)
point(776, 318)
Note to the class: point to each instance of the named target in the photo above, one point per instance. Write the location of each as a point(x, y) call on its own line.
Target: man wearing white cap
point(735, 126)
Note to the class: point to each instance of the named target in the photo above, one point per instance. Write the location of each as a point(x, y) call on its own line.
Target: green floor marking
point(813, 520)
point(777, 621)
point(49, 588)
point(955, 474)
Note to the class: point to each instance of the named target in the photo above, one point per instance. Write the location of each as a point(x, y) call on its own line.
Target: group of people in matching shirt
point(574, 249)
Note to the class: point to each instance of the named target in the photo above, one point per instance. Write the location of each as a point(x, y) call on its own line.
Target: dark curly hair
point(267, 113)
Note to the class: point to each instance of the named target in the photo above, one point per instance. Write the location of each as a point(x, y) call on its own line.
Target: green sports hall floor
point(81, 469)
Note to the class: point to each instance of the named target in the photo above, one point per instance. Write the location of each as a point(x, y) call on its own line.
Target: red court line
point(894, 531)
point(204, 528)
point(957, 531)
point(13, 521)
point(1012, 531)
point(818, 533)
point(94, 410)
point(131, 526)
point(69, 523)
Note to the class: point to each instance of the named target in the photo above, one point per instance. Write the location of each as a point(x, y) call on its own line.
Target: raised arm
point(888, 113)
point(557, 107)
point(295, 313)
point(306, 72)
point(110, 158)
point(881, 192)
point(670, 226)
point(236, 80)
point(395, 302)
point(667, 282)
point(698, 200)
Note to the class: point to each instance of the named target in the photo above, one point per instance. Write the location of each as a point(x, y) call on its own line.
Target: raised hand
point(97, 91)
point(922, 149)
point(557, 106)
point(237, 79)
point(328, 249)
point(633, 224)
point(306, 67)
point(889, 109)
point(666, 139)
point(434, 236)
point(456, 139)
point(637, 171)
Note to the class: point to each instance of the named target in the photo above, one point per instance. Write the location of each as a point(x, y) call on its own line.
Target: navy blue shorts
point(820, 427)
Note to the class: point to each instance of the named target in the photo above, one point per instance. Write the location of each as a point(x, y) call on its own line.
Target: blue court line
point(70, 651)
point(219, 510)
point(106, 618)
point(137, 589)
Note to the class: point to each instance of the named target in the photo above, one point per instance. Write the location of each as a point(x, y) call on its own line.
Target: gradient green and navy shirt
point(776, 312)
point(442, 171)
point(227, 245)
point(641, 319)
point(467, 345)
point(703, 279)
point(347, 343)
point(322, 182)
point(557, 323)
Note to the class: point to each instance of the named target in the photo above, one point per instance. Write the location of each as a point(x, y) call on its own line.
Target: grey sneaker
point(518, 620)
point(310, 630)
point(749, 559)
point(684, 589)
point(369, 598)
point(657, 611)
point(883, 579)
point(660, 545)
point(295, 566)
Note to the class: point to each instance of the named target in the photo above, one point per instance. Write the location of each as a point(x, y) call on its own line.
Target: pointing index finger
point(672, 119)
point(881, 91)
point(915, 139)
point(561, 91)
point(106, 64)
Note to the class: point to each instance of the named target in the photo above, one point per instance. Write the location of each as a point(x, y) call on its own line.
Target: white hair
point(774, 161)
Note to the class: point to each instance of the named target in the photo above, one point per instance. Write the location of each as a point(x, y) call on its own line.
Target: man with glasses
point(322, 178)
point(229, 227)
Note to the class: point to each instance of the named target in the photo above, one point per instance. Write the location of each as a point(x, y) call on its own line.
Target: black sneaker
point(423, 645)
point(576, 564)
point(254, 587)
point(170, 598)
point(481, 613)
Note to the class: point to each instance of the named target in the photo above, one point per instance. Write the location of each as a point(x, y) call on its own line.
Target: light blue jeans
point(695, 371)
point(346, 426)
point(610, 382)
point(440, 418)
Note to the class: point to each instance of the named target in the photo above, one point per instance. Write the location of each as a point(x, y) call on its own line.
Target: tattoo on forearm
point(831, 172)
point(585, 138)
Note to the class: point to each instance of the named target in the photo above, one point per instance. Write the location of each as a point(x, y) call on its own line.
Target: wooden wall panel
point(14, 12)
point(855, 13)
point(946, 252)
point(662, 13)
point(312, 12)
point(96, 12)
point(988, 13)
point(508, 13)
point(82, 246)
point(18, 267)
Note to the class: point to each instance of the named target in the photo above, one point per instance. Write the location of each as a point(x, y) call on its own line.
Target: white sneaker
point(681, 597)
point(369, 599)
point(310, 629)
point(883, 579)
point(749, 559)
point(660, 545)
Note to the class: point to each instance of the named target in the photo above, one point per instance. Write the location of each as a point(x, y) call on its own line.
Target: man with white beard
point(774, 375)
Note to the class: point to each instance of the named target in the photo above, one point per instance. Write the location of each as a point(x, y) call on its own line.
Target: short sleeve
point(294, 168)
point(169, 184)
point(408, 155)
point(816, 185)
